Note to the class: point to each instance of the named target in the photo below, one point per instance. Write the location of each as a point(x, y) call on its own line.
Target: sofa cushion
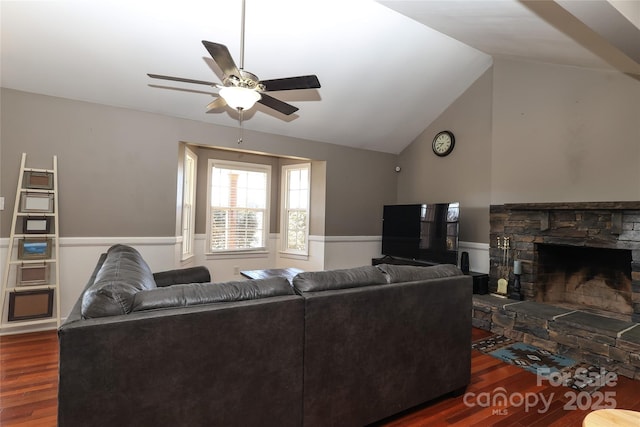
point(411, 273)
point(205, 293)
point(314, 281)
point(123, 274)
point(198, 274)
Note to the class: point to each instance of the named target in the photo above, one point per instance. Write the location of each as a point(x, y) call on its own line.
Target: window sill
point(291, 255)
point(187, 258)
point(236, 255)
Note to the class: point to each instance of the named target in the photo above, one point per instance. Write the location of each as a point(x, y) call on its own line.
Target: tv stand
point(401, 261)
point(480, 280)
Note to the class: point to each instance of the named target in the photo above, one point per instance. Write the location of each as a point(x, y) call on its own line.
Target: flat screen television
point(422, 231)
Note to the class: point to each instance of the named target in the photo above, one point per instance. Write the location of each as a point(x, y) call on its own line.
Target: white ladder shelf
point(31, 275)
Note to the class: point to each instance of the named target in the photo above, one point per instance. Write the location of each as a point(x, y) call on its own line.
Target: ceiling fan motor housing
point(245, 80)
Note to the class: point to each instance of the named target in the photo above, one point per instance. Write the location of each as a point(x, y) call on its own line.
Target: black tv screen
point(401, 230)
point(426, 232)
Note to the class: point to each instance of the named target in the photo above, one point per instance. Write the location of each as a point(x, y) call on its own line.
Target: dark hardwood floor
point(29, 380)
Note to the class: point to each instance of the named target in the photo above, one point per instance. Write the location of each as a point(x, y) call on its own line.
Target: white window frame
point(189, 185)
point(254, 167)
point(285, 209)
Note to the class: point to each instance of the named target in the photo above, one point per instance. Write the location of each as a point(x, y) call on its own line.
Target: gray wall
point(564, 134)
point(525, 132)
point(462, 176)
point(118, 168)
point(530, 132)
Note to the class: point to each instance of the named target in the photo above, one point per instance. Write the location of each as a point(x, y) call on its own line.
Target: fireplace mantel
point(615, 206)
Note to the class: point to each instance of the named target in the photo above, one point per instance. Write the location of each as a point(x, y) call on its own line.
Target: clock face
point(443, 143)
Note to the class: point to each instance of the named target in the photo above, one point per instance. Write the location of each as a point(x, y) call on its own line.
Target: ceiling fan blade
point(180, 79)
point(300, 82)
point(277, 105)
point(222, 57)
point(216, 104)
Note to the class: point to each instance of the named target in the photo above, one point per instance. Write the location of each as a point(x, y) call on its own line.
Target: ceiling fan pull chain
point(240, 129)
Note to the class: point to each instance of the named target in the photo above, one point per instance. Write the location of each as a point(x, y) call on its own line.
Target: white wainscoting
point(228, 267)
point(78, 258)
point(351, 251)
point(478, 255)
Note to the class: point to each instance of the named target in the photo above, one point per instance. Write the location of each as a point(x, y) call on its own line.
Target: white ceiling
point(385, 77)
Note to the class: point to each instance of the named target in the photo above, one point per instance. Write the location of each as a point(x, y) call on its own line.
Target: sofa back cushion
point(411, 273)
point(199, 274)
point(315, 281)
point(123, 274)
point(206, 293)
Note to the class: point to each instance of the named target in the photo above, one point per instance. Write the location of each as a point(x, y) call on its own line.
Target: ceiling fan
point(241, 89)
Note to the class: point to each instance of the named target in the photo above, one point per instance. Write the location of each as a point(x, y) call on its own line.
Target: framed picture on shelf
point(36, 248)
point(33, 274)
point(38, 180)
point(27, 305)
point(36, 225)
point(36, 202)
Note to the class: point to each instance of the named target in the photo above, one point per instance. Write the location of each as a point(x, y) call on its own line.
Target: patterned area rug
point(574, 374)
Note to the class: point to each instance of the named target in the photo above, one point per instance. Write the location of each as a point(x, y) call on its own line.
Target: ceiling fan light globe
point(239, 97)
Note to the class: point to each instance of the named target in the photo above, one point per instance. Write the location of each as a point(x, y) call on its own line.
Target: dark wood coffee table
point(287, 273)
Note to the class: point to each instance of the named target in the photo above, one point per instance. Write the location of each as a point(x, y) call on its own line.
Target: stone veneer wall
point(614, 225)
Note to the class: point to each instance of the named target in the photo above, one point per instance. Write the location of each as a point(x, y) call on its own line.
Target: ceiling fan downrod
point(241, 110)
point(242, 37)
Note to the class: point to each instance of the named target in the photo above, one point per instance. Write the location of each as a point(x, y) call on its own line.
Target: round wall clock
point(443, 143)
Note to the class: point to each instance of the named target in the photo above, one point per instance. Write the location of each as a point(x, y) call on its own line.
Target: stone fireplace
point(580, 281)
point(583, 256)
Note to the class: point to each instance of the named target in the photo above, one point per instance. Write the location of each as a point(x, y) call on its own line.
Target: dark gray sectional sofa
point(338, 348)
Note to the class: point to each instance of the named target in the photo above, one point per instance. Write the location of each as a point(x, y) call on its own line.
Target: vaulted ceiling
point(387, 68)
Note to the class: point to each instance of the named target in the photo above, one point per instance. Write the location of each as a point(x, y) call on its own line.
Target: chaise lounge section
point(237, 362)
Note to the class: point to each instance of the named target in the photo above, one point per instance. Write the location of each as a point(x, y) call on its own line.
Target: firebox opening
point(585, 278)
